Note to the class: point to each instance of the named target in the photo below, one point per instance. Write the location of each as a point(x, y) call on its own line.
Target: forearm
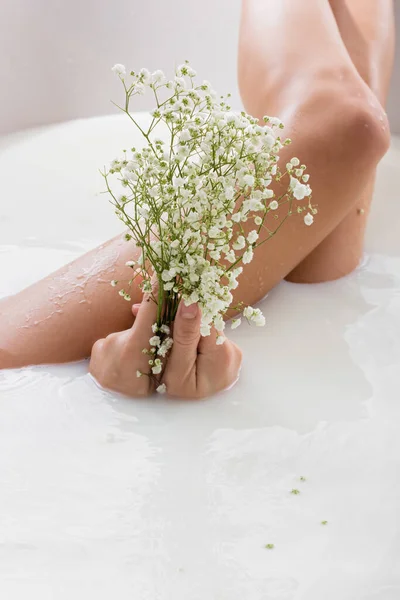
point(58, 318)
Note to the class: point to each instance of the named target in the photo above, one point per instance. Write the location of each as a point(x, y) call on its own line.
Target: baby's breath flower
point(165, 346)
point(254, 315)
point(252, 237)
point(119, 69)
point(193, 191)
point(240, 243)
point(235, 323)
point(157, 366)
point(308, 219)
point(247, 256)
point(161, 388)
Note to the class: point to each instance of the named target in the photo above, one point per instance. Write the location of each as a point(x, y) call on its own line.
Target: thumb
point(186, 336)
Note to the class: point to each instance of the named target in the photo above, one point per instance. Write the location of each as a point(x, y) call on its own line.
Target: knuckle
point(97, 347)
point(186, 336)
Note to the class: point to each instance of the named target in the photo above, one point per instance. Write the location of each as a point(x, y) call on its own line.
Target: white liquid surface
point(105, 497)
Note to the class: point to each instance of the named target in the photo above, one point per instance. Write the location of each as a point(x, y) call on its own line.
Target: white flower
point(114, 282)
point(229, 192)
point(155, 340)
point(230, 256)
point(215, 254)
point(185, 136)
point(158, 77)
point(145, 75)
point(219, 323)
point(252, 237)
point(248, 180)
point(300, 191)
point(157, 366)
point(205, 329)
point(254, 315)
point(184, 203)
point(248, 256)
point(220, 340)
point(130, 263)
point(119, 69)
point(308, 219)
point(161, 388)
point(167, 275)
point(165, 346)
point(138, 373)
point(235, 323)
point(240, 243)
point(143, 210)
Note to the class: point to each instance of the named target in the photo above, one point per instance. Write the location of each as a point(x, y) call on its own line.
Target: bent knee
point(369, 130)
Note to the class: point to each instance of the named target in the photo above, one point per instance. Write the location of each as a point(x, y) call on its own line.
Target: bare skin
point(335, 122)
point(196, 366)
point(368, 31)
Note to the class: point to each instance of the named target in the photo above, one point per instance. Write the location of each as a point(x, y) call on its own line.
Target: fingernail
point(136, 305)
point(189, 312)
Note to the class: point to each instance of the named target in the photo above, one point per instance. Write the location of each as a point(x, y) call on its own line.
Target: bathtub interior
point(104, 496)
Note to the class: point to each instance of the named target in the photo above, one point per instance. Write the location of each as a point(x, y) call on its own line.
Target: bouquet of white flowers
point(184, 201)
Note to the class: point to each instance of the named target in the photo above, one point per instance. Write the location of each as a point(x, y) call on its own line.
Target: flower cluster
point(185, 201)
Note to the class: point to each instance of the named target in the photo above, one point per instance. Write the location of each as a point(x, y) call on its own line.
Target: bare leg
point(367, 29)
point(335, 122)
point(58, 318)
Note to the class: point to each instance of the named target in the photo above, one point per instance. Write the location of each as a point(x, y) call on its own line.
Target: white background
point(55, 56)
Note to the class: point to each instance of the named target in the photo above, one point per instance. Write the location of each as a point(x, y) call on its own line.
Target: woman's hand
point(194, 368)
point(116, 359)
